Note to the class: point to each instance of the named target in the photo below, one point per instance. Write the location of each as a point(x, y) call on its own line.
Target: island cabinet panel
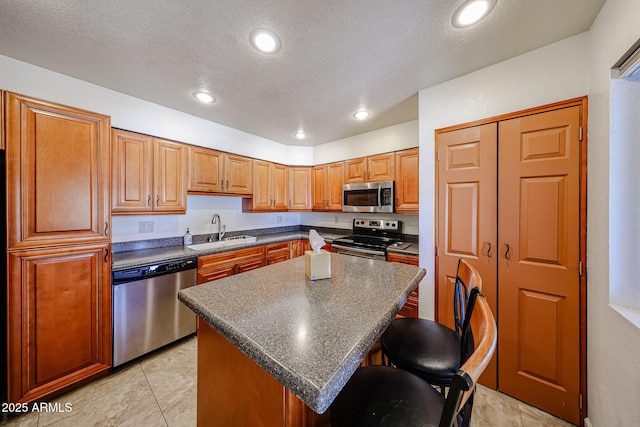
point(410, 308)
point(58, 182)
point(59, 331)
point(277, 252)
point(149, 175)
point(380, 167)
point(300, 196)
point(407, 181)
point(234, 391)
point(225, 264)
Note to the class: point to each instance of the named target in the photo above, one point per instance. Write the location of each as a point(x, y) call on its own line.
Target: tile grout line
point(154, 394)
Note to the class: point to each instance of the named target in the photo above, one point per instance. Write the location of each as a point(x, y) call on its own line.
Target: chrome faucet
point(216, 220)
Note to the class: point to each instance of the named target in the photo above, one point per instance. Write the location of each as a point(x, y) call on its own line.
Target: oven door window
point(367, 197)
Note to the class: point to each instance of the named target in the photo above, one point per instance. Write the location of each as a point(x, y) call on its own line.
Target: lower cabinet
point(298, 247)
point(218, 266)
point(410, 308)
point(277, 252)
point(59, 319)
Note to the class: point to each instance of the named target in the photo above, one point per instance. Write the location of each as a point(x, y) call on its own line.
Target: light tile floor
point(160, 390)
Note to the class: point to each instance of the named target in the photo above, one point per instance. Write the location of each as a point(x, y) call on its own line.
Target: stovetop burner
point(373, 234)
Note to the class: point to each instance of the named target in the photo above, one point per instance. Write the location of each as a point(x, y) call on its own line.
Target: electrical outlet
point(279, 219)
point(145, 227)
point(336, 219)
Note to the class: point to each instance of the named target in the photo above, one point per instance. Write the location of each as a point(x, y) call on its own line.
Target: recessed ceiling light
point(205, 97)
point(265, 40)
point(361, 115)
point(301, 135)
point(472, 11)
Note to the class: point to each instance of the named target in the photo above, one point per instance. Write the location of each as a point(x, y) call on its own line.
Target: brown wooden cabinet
point(59, 329)
point(2, 144)
point(269, 188)
point(298, 247)
point(407, 181)
point(326, 182)
point(217, 266)
point(410, 308)
point(57, 174)
point(277, 252)
point(58, 251)
point(300, 196)
point(380, 167)
point(215, 172)
point(149, 174)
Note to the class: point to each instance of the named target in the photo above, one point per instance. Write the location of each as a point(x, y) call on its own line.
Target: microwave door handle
point(380, 196)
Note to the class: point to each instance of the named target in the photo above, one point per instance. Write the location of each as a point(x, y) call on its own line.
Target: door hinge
point(580, 268)
point(438, 155)
point(580, 133)
point(437, 251)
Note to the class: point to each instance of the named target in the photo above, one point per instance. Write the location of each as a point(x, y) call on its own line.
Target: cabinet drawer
point(232, 257)
point(205, 276)
point(403, 259)
point(277, 252)
point(250, 264)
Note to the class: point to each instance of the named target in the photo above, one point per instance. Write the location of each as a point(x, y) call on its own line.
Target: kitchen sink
point(229, 241)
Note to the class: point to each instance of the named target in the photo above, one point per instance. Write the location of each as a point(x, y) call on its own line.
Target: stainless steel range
point(370, 238)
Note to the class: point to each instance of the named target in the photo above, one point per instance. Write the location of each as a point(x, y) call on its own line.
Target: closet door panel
point(539, 235)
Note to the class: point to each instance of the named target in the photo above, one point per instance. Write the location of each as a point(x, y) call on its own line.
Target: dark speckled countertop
point(310, 336)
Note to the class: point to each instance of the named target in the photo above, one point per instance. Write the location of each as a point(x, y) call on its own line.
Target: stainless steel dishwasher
point(146, 311)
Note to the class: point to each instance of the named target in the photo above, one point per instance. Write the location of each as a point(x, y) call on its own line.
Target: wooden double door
point(509, 202)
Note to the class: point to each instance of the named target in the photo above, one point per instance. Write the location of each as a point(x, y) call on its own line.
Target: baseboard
point(587, 422)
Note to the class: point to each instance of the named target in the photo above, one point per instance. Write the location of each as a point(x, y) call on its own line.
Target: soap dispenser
point(187, 239)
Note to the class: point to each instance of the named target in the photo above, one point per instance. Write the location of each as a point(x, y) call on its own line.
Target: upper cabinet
point(300, 197)
point(380, 167)
point(407, 181)
point(269, 188)
point(57, 174)
point(212, 171)
point(149, 174)
point(326, 183)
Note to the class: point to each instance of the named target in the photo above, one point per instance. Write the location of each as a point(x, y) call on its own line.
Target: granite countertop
point(310, 336)
point(405, 248)
point(130, 259)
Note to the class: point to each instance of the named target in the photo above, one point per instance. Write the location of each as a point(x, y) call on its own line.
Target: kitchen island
point(272, 343)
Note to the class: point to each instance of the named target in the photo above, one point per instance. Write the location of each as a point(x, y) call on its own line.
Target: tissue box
point(317, 265)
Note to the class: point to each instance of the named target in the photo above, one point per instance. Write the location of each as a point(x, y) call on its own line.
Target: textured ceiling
point(336, 56)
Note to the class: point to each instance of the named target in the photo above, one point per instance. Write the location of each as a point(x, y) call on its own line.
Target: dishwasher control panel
point(151, 270)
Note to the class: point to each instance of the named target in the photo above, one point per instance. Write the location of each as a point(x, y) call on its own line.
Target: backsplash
point(200, 210)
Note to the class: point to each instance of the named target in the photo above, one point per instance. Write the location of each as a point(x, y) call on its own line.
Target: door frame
point(582, 102)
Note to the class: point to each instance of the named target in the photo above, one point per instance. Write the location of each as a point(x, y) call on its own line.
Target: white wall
point(137, 115)
point(550, 74)
point(392, 138)
point(613, 343)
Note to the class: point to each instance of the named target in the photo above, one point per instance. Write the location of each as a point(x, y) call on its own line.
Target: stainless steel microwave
point(368, 197)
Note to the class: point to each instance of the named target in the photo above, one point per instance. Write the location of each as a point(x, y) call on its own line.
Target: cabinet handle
point(227, 186)
point(507, 255)
point(289, 203)
point(369, 175)
point(489, 250)
point(148, 199)
point(106, 227)
point(157, 200)
point(106, 254)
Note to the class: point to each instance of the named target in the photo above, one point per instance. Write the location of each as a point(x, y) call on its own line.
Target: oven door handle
point(357, 250)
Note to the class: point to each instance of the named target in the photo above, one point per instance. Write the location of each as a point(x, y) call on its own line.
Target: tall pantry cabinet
point(58, 247)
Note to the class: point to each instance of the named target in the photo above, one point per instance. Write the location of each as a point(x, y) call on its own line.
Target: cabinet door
point(250, 264)
point(238, 174)
point(407, 181)
point(58, 174)
point(319, 188)
point(279, 186)
point(261, 195)
point(59, 320)
point(2, 144)
point(335, 180)
point(219, 272)
point(277, 252)
point(205, 170)
point(132, 160)
point(410, 307)
point(381, 167)
point(170, 173)
point(355, 170)
point(300, 189)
